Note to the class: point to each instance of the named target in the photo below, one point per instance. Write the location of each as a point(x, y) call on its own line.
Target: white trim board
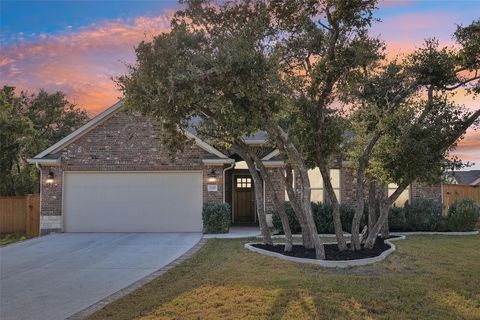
point(272, 154)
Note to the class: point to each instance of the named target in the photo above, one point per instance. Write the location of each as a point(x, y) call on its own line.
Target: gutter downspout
point(223, 178)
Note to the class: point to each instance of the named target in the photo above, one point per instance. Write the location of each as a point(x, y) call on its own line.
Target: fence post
point(28, 217)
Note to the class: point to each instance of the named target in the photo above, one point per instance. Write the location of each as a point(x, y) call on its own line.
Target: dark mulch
point(331, 251)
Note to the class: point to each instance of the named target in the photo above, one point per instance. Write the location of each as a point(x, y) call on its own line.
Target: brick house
point(112, 175)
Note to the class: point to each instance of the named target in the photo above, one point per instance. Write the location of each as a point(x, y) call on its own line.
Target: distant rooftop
point(465, 177)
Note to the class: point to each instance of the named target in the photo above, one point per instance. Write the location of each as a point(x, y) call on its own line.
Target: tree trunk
point(362, 166)
point(385, 204)
point(292, 195)
point(337, 221)
point(293, 154)
point(279, 207)
point(386, 229)
point(372, 205)
point(262, 219)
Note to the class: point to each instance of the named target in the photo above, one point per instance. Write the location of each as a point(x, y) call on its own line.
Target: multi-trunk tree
point(282, 67)
point(407, 122)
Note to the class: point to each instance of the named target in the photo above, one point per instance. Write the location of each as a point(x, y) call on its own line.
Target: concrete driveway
point(59, 275)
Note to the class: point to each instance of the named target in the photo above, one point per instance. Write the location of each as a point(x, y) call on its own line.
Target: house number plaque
point(212, 187)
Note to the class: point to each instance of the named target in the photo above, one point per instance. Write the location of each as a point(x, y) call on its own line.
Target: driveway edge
point(137, 284)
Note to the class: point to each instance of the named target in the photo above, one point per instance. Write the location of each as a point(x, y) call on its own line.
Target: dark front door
point(243, 199)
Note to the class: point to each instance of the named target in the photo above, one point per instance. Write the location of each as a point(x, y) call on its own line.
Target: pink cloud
point(79, 63)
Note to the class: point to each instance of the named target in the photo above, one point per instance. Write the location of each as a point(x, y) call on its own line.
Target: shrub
point(322, 215)
point(396, 219)
point(292, 219)
point(347, 213)
point(423, 215)
point(463, 215)
point(216, 217)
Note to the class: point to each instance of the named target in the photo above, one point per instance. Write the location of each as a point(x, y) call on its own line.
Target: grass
point(11, 238)
point(428, 277)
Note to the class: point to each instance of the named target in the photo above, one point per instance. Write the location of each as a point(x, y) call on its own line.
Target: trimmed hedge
point(216, 217)
point(420, 215)
point(463, 215)
point(423, 215)
point(322, 214)
point(396, 219)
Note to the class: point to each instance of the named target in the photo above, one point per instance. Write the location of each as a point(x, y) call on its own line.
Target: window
point(245, 183)
point(317, 187)
point(241, 165)
point(335, 179)
point(404, 196)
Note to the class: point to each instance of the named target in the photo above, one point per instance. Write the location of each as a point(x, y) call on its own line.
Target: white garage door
point(132, 202)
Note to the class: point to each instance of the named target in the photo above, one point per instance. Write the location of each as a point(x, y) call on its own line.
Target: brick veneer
point(417, 190)
point(425, 191)
point(128, 141)
point(276, 175)
point(125, 142)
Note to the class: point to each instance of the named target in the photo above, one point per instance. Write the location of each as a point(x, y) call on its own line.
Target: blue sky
point(51, 17)
point(78, 46)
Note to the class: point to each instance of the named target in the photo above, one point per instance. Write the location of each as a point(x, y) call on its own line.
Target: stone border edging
point(137, 284)
point(413, 233)
point(439, 233)
point(331, 263)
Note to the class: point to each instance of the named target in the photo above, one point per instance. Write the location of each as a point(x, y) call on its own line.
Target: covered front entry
point(243, 199)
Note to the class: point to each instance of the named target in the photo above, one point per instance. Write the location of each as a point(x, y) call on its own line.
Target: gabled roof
point(46, 157)
point(471, 177)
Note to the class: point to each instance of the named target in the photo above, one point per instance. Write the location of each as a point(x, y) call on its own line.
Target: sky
point(78, 46)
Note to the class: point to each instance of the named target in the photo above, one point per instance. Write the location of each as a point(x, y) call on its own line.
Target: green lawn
point(11, 238)
point(428, 277)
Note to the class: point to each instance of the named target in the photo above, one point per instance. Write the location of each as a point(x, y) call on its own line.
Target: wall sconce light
point(50, 176)
point(212, 175)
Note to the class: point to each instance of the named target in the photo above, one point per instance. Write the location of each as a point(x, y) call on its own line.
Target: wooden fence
point(20, 214)
point(452, 192)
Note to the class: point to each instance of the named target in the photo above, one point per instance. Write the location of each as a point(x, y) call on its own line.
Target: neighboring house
point(471, 177)
point(112, 175)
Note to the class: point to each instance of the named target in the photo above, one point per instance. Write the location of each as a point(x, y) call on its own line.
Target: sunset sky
point(78, 46)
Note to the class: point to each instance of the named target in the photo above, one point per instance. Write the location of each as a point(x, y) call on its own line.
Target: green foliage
point(292, 219)
point(8, 238)
point(323, 216)
point(396, 219)
point(462, 215)
point(216, 217)
point(423, 215)
point(29, 124)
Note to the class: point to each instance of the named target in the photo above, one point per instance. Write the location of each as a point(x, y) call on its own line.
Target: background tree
point(29, 123)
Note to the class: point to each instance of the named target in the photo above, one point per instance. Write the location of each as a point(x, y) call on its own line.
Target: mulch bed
point(331, 251)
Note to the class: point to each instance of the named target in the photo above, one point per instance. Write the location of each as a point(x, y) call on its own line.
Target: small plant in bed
point(216, 217)
point(11, 238)
point(331, 251)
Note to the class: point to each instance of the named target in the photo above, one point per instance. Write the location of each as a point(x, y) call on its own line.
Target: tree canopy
point(29, 123)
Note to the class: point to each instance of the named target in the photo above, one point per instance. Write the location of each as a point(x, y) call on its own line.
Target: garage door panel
point(133, 202)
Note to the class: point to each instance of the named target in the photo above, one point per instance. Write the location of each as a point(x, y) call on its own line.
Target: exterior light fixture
point(212, 175)
point(50, 176)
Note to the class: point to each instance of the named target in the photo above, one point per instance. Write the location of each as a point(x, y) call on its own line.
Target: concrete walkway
point(236, 232)
point(55, 276)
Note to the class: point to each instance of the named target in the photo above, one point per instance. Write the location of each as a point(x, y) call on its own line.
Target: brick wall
point(417, 190)
point(425, 191)
point(276, 175)
point(125, 142)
